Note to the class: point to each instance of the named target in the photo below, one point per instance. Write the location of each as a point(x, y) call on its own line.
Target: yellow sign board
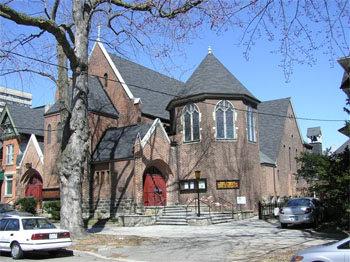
point(227, 184)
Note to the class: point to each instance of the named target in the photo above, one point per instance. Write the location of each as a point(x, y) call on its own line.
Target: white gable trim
point(117, 73)
point(149, 133)
point(37, 148)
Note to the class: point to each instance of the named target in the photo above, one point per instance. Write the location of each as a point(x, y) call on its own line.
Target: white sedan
point(19, 234)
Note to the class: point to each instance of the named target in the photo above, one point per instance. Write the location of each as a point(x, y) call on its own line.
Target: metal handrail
point(158, 207)
point(229, 203)
point(188, 206)
point(206, 205)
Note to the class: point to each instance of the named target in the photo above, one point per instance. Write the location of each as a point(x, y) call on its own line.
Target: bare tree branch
point(27, 70)
point(42, 23)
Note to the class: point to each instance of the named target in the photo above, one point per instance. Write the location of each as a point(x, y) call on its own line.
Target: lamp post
point(198, 176)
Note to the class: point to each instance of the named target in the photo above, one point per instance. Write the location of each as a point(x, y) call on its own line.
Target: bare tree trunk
point(74, 155)
point(63, 86)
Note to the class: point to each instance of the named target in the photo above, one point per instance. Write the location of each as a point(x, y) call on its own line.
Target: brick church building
point(151, 133)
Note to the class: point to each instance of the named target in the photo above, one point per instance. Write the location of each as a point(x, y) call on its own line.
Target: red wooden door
point(34, 187)
point(154, 190)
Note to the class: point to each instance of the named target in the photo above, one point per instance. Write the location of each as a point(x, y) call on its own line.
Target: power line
point(174, 95)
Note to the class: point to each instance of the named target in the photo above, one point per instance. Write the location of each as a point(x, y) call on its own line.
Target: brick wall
point(221, 159)
point(36, 166)
point(10, 170)
point(99, 66)
point(291, 146)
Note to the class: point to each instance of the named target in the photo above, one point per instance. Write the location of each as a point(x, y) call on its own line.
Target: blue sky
point(314, 90)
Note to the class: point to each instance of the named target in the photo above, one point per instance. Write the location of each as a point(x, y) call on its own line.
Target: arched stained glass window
point(225, 120)
point(251, 124)
point(191, 123)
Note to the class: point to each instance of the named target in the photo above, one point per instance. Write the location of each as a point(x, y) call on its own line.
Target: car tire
point(283, 225)
point(16, 251)
point(54, 253)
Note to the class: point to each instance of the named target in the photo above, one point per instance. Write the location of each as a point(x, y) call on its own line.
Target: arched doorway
point(34, 186)
point(154, 188)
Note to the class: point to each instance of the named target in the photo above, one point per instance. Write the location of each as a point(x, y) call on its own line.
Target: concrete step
point(172, 223)
point(220, 221)
point(173, 215)
point(162, 219)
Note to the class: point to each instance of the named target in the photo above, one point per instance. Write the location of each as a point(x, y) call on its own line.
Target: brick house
point(22, 159)
point(150, 133)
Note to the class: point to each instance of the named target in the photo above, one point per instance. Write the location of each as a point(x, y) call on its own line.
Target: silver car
point(305, 210)
point(331, 252)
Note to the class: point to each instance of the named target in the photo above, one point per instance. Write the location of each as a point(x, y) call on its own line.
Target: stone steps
point(173, 215)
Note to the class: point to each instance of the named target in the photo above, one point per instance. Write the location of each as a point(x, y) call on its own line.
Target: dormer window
point(191, 123)
point(225, 120)
point(105, 77)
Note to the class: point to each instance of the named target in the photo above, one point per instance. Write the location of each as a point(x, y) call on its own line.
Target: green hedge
point(53, 208)
point(28, 205)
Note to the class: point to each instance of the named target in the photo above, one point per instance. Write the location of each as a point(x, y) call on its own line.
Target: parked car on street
point(331, 252)
point(20, 234)
point(6, 210)
point(300, 211)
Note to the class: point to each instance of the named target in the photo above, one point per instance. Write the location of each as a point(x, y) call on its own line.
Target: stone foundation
point(110, 208)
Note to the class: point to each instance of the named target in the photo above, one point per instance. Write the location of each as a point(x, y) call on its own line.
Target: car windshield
point(298, 202)
point(5, 208)
point(36, 223)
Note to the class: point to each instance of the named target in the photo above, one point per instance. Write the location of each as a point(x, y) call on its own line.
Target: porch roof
point(118, 143)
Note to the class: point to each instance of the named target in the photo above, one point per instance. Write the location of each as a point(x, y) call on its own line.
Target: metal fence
point(266, 210)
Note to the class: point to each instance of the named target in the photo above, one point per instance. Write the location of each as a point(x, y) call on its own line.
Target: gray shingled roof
point(271, 126)
point(213, 77)
point(264, 159)
point(118, 143)
point(313, 131)
point(341, 149)
point(28, 120)
point(155, 90)
point(98, 100)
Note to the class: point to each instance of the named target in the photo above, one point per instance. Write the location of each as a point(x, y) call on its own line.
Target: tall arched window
point(59, 132)
point(251, 124)
point(191, 123)
point(225, 120)
point(49, 134)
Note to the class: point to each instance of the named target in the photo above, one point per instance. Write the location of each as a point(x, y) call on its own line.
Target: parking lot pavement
point(246, 240)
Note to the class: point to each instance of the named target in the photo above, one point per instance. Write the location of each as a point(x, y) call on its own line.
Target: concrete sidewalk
point(246, 240)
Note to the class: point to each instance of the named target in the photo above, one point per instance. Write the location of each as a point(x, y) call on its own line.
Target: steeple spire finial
point(209, 50)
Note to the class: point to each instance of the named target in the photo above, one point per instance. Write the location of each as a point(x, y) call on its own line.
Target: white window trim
point(6, 194)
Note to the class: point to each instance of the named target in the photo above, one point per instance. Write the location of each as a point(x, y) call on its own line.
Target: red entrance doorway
point(34, 187)
point(154, 188)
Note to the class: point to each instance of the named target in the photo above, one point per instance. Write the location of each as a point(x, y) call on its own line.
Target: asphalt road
point(64, 256)
point(246, 240)
point(249, 240)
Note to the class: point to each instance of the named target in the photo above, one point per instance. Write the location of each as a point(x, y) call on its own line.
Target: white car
point(330, 252)
point(19, 234)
